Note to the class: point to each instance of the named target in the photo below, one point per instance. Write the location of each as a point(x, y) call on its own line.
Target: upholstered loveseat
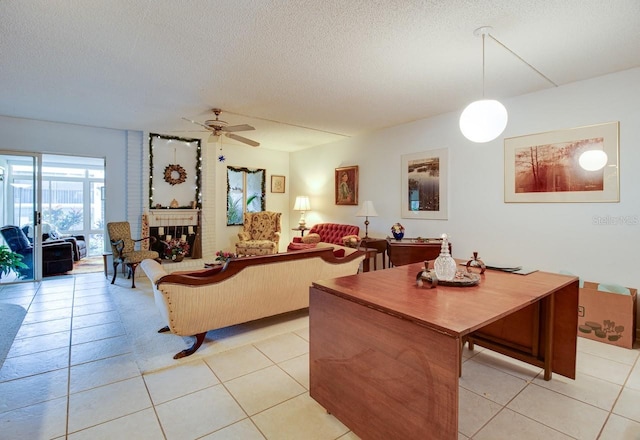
point(245, 289)
point(331, 233)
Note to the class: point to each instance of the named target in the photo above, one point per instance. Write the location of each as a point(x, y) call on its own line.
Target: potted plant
point(10, 261)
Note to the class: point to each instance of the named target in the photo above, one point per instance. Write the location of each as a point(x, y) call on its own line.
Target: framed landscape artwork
point(346, 185)
point(551, 167)
point(277, 184)
point(424, 185)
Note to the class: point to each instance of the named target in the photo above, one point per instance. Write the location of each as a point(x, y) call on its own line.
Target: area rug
point(154, 351)
point(11, 317)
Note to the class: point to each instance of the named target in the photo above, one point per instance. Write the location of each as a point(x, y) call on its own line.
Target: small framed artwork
point(572, 165)
point(277, 184)
point(425, 178)
point(346, 182)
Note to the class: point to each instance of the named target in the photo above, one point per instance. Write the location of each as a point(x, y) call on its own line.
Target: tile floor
point(71, 374)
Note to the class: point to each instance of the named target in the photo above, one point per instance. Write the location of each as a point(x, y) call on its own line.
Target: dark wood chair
point(124, 252)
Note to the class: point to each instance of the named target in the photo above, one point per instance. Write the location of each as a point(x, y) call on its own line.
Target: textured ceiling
point(340, 67)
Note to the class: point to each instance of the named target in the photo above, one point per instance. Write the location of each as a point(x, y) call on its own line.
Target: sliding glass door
point(19, 194)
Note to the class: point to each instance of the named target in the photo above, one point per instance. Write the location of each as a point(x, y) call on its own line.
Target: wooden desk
point(409, 250)
point(384, 354)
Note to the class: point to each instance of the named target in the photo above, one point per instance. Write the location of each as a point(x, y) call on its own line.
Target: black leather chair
point(18, 243)
point(78, 242)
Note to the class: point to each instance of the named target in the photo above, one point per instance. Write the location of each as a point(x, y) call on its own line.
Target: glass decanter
point(445, 265)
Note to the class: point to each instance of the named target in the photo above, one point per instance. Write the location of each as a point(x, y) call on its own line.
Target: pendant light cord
point(515, 55)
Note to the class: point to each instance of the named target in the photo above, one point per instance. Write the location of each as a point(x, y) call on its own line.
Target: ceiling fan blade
point(197, 123)
point(243, 139)
point(242, 127)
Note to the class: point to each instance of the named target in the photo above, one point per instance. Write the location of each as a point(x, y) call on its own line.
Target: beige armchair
point(123, 248)
point(260, 234)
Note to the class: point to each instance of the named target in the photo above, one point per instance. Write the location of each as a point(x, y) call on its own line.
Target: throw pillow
point(311, 238)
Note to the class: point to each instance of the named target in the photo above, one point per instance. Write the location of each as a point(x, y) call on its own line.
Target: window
point(245, 193)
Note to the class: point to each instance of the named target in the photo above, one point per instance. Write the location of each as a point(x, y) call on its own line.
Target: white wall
point(542, 235)
point(48, 137)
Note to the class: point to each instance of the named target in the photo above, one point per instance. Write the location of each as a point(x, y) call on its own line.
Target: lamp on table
point(302, 204)
point(367, 210)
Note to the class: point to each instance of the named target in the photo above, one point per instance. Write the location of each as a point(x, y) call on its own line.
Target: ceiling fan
point(222, 128)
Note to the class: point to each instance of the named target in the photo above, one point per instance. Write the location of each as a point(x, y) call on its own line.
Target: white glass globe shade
point(593, 160)
point(483, 121)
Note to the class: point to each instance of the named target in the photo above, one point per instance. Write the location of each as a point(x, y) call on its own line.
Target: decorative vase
point(445, 265)
point(398, 235)
point(177, 258)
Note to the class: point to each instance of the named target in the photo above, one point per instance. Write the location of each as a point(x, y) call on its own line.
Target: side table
point(301, 230)
point(380, 245)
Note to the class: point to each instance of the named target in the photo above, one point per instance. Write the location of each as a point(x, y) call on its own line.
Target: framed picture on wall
point(277, 184)
point(424, 185)
point(573, 165)
point(346, 185)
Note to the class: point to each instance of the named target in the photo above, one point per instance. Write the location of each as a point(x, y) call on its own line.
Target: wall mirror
point(175, 172)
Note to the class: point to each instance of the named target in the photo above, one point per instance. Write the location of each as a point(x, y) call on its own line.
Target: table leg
point(548, 327)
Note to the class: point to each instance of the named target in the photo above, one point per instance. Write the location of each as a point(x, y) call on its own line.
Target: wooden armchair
point(260, 234)
point(123, 248)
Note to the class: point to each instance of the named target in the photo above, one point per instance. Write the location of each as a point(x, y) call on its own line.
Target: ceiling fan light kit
point(219, 128)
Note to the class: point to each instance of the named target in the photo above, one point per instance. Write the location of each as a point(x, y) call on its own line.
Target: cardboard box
point(607, 317)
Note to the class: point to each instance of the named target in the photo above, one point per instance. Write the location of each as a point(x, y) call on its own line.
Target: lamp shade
point(593, 160)
point(367, 210)
point(302, 204)
point(483, 121)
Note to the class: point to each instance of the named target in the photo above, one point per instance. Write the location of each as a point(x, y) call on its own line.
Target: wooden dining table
point(385, 354)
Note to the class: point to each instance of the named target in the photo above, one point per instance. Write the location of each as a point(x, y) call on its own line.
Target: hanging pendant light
point(483, 120)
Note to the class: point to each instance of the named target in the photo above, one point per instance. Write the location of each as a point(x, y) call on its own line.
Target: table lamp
point(367, 210)
point(302, 205)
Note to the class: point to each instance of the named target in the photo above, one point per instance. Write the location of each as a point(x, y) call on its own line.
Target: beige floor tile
point(102, 372)
point(585, 388)
point(37, 344)
point(303, 333)
point(619, 428)
point(628, 404)
point(42, 421)
point(199, 413)
point(608, 351)
point(507, 364)
point(36, 363)
point(141, 425)
point(633, 381)
point(102, 349)
point(567, 415)
point(602, 368)
point(50, 305)
point(95, 319)
point(97, 332)
point(298, 368)
point(237, 362)
point(299, 418)
point(33, 389)
point(509, 425)
point(283, 347)
point(90, 309)
point(490, 382)
point(244, 429)
point(91, 299)
point(47, 315)
point(66, 295)
point(44, 328)
point(474, 412)
point(165, 385)
point(263, 389)
point(98, 405)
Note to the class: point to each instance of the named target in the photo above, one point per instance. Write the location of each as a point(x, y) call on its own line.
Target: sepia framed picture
point(424, 186)
point(346, 185)
point(277, 184)
point(573, 165)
